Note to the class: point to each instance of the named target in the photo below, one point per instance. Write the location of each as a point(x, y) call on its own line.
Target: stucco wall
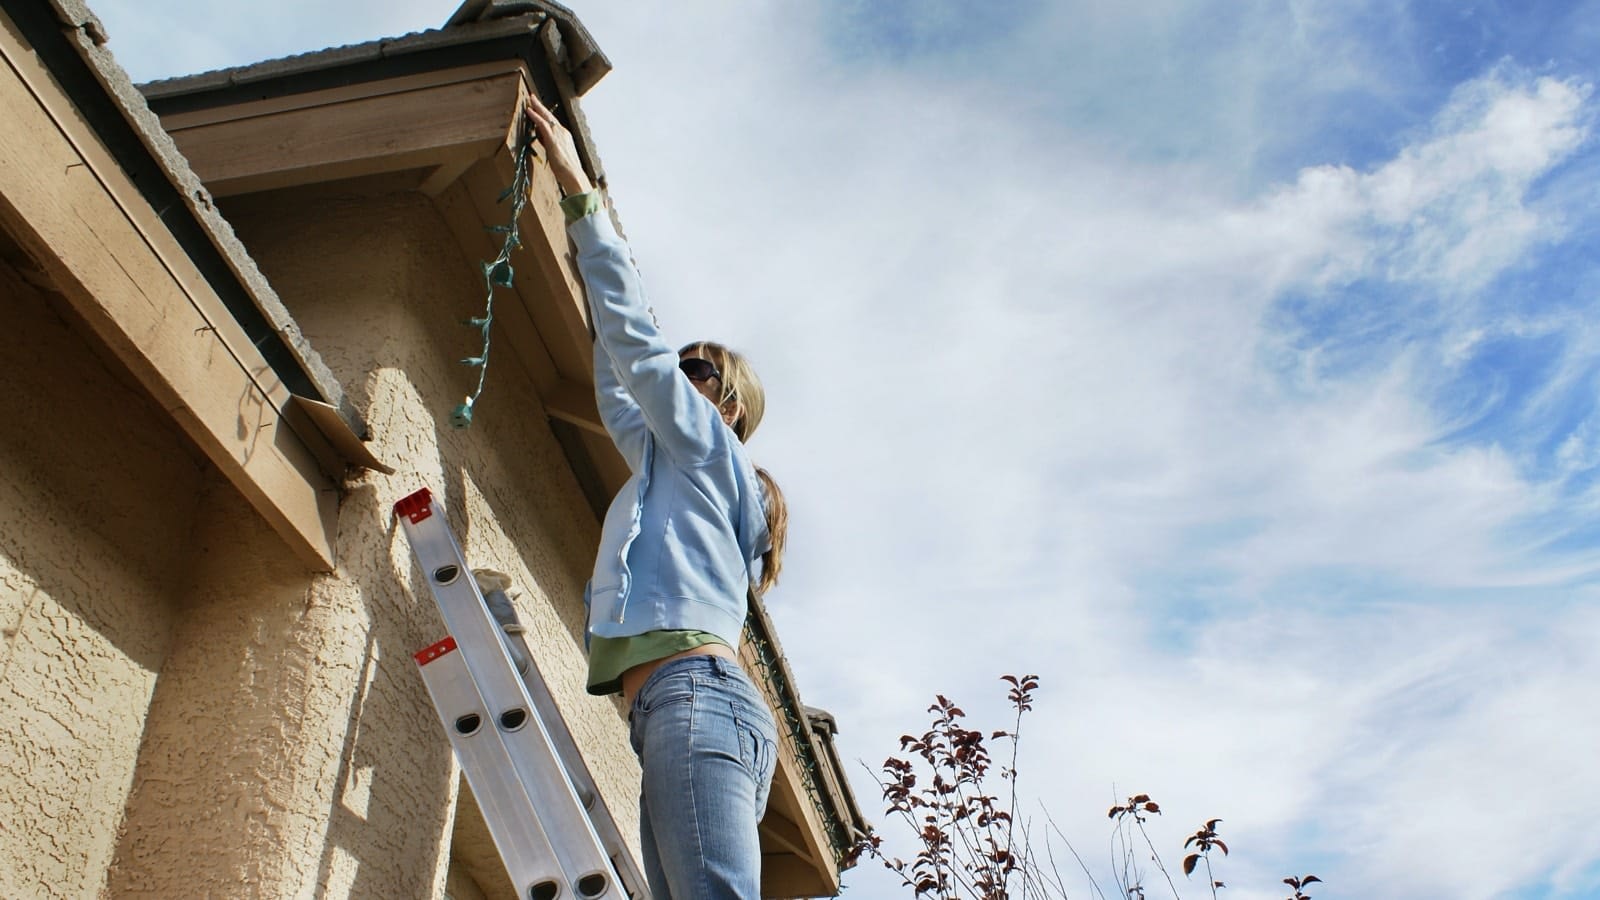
point(190, 712)
point(378, 285)
point(97, 497)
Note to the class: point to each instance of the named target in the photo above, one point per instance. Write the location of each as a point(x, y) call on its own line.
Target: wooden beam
point(572, 402)
point(445, 174)
point(66, 202)
point(428, 125)
point(779, 830)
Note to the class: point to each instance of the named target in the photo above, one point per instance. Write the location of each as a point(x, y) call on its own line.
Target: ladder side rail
point(533, 756)
point(524, 848)
point(544, 703)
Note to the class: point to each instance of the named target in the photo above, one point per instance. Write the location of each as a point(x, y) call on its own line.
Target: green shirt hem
point(610, 657)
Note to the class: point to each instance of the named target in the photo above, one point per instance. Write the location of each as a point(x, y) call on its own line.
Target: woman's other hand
point(560, 151)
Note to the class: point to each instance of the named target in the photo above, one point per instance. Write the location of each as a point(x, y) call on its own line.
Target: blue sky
point(1232, 366)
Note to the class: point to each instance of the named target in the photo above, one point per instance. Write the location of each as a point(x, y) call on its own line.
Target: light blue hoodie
point(683, 538)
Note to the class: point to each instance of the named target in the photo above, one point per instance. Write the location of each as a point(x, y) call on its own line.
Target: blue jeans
point(707, 744)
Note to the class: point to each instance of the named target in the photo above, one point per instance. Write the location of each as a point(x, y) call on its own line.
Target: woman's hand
point(560, 151)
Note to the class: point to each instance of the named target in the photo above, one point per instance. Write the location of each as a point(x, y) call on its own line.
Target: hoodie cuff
point(593, 233)
point(580, 205)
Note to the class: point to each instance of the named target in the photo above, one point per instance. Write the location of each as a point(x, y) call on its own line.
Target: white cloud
point(155, 39)
point(1014, 379)
point(1506, 772)
point(1453, 207)
point(1036, 409)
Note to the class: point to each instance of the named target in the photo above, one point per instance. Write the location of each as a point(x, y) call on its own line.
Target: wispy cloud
point(1186, 451)
point(1230, 366)
point(156, 39)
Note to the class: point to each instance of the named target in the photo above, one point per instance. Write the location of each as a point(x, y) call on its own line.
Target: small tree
point(970, 843)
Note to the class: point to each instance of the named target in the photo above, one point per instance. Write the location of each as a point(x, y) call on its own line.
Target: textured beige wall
point(189, 712)
point(256, 703)
point(329, 773)
point(96, 504)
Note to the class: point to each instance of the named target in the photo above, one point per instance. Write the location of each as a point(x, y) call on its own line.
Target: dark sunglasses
point(699, 369)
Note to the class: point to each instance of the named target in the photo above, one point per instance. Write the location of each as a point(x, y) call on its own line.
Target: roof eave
point(71, 41)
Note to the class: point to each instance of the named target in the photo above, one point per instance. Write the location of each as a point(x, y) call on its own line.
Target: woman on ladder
point(694, 529)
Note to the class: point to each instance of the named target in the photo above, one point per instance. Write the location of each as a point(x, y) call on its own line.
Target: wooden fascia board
point(555, 55)
point(420, 121)
point(843, 797)
point(68, 203)
point(64, 40)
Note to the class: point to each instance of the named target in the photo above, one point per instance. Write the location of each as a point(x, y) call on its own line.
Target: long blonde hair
point(777, 510)
point(739, 384)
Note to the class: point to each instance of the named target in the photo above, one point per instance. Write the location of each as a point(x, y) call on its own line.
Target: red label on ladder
point(416, 507)
point(434, 651)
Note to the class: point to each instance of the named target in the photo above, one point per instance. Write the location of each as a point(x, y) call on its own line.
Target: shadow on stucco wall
point(97, 499)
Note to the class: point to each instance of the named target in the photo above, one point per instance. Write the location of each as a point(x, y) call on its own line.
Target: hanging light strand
point(498, 272)
point(799, 734)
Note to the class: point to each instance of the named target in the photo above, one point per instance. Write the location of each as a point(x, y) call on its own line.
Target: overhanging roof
point(70, 41)
point(118, 226)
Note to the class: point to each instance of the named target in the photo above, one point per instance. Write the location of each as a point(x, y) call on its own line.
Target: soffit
point(441, 118)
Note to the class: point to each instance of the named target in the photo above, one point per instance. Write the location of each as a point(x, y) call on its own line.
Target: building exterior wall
point(195, 714)
point(377, 284)
point(97, 499)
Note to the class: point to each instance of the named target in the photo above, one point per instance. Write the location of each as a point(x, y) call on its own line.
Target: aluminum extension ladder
point(556, 838)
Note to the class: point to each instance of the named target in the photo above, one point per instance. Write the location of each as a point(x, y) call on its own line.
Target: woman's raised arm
point(684, 423)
